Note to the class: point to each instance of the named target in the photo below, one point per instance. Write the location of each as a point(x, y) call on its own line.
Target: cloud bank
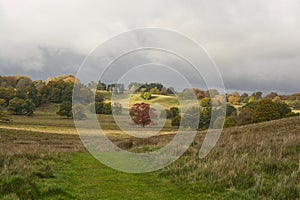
point(255, 44)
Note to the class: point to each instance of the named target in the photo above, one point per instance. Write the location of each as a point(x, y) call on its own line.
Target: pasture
point(42, 157)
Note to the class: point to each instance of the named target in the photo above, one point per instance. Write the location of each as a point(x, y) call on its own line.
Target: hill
point(256, 161)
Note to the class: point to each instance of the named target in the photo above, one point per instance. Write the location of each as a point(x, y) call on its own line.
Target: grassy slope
point(255, 161)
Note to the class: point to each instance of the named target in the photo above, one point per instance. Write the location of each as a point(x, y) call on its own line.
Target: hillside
point(250, 162)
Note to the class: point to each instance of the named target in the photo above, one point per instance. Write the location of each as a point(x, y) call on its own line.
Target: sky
point(255, 44)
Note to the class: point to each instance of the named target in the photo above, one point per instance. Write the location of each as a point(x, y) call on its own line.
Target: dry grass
point(261, 159)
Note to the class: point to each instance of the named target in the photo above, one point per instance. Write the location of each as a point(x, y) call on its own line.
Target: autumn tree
point(282, 108)
point(142, 114)
point(266, 110)
point(234, 98)
point(154, 91)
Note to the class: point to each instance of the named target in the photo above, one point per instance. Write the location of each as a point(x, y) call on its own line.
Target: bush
point(176, 121)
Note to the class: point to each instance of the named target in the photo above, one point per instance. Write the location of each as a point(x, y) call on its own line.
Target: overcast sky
point(255, 44)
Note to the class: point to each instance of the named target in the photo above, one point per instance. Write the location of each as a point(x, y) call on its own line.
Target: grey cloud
point(255, 44)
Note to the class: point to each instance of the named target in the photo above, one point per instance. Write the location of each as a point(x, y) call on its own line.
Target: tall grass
point(261, 160)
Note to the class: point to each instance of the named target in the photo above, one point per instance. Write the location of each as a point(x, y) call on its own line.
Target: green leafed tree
point(19, 106)
point(65, 109)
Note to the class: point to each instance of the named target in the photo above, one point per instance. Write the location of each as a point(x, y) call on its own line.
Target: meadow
point(42, 157)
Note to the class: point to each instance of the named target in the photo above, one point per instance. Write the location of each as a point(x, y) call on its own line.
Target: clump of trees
point(151, 88)
point(19, 95)
point(263, 110)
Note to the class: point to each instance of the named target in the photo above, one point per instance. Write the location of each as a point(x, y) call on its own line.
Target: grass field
point(41, 157)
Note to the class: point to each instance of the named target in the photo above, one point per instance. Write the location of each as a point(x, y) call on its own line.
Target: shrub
point(176, 121)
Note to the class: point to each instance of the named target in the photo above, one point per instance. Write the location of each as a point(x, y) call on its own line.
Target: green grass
point(41, 157)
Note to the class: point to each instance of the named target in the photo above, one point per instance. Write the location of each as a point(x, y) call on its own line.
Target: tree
point(277, 99)
point(223, 122)
point(2, 114)
point(99, 97)
point(78, 112)
point(272, 95)
point(142, 114)
point(266, 110)
point(245, 116)
point(244, 97)
point(145, 95)
point(107, 110)
point(101, 86)
point(29, 107)
point(176, 121)
point(175, 111)
point(98, 106)
point(205, 102)
point(19, 106)
point(283, 109)
point(230, 111)
point(234, 98)
point(257, 95)
point(164, 91)
point(154, 91)
point(65, 109)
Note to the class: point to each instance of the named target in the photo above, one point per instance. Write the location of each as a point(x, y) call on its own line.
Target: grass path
point(83, 177)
